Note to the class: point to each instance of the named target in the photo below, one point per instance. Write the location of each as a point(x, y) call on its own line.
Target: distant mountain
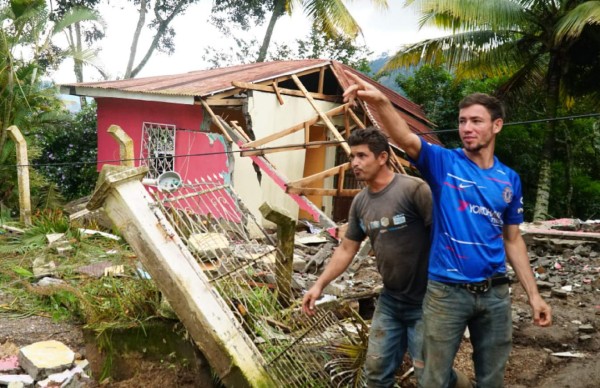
point(390, 79)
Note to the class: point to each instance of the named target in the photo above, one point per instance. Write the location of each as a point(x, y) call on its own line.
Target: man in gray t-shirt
point(394, 211)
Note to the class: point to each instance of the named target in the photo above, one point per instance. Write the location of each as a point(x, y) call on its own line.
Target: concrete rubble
point(42, 365)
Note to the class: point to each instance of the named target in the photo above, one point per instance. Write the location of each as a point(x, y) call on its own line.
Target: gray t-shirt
point(397, 221)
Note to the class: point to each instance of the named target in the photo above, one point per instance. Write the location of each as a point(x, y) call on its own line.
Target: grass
point(97, 303)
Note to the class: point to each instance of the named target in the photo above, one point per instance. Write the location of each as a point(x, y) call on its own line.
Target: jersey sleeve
point(514, 212)
point(431, 162)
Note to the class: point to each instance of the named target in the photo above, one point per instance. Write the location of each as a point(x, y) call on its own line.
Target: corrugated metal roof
point(203, 83)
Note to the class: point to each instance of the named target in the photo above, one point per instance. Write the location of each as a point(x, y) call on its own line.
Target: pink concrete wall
point(131, 114)
point(198, 155)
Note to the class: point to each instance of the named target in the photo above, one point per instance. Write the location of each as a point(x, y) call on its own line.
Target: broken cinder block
point(209, 245)
point(42, 359)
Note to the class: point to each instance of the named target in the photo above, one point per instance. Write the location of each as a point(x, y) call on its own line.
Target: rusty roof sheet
point(203, 83)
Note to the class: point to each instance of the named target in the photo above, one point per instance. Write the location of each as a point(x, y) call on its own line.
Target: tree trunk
point(568, 172)
point(77, 63)
point(278, 10)
point(540, 211)
point(162, 27)
point(136, 37)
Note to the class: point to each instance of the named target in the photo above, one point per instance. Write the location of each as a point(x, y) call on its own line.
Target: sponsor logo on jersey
point(494, 216)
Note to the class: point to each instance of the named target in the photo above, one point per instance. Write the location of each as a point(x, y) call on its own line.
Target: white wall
point(269, 117)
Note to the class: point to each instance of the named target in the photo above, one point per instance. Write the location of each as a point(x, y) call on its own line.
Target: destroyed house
point(274, 130)
point(235, 141)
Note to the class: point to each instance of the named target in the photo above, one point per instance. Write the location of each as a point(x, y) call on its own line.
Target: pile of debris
point(562, 253)
point(42, 364)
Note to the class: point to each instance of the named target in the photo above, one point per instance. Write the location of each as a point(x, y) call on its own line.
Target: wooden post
point(204, 313)
point(125, 145)
point(286, 229)
point(22, 174)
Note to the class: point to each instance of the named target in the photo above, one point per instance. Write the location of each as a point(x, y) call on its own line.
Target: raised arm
point(391, 120)
point(516, 251)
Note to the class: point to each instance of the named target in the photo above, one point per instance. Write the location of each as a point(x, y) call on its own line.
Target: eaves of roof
point(201, 83)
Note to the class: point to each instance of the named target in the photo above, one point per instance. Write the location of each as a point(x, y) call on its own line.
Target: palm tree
point(329, 16)
point(27, 51)
point(532, 42)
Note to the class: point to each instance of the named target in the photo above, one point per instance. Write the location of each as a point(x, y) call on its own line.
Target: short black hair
point(373, 138)
point(493, 105)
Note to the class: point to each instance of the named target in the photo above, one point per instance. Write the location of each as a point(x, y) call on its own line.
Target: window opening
point(158, 148)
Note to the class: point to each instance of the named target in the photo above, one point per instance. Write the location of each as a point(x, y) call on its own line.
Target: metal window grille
point(296, 350)
point(158, 148)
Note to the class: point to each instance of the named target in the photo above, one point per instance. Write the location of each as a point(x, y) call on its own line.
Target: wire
point(304, 145)
point(573, 117)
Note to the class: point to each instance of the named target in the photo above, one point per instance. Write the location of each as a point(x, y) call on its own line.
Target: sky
point(383, 31)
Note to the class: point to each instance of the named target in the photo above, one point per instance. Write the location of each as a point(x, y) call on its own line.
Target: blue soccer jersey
point(470, 207)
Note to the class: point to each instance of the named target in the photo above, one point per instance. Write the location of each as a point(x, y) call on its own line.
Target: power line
point(303, 145)
point(547, 120)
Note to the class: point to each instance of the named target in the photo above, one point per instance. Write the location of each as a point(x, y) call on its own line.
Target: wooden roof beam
point(290, 92)
point(323, 116)
point(288, 131)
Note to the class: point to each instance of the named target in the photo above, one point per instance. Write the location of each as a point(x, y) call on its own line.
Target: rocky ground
point(567, 354)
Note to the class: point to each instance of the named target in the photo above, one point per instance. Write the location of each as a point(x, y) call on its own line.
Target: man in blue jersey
point(477, 209)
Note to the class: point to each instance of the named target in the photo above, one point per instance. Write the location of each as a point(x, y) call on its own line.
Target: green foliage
point(576, 167)
point(343, 49)
point(537, 45)
point(69, 153)
point(23, 272)
point(316, 45)
point(100, 303)
point(43, 222)
point(438, 92)
point(329, 17)
point(241, 13)
point(20, 7)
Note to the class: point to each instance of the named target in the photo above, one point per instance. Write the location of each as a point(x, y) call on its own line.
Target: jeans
point(394, 328)
point(447, 310)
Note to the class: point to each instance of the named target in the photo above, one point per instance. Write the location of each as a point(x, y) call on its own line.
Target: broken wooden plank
point(276, 90)
point(293, 129)
point(216, 120)
point(286, 229)
point(323, 116)
point(225, 101)
point(290, 92)
point(337, 170)
point(291, 147)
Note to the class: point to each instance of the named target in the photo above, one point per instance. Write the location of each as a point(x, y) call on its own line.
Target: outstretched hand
point(362, 89)
point(309, 299)
point(542, 312)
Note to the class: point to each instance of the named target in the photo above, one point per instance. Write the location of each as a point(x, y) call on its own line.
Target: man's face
point(364, 163)
point(476, 128)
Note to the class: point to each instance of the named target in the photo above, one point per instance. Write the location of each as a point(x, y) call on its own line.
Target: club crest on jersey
point(507, 194)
